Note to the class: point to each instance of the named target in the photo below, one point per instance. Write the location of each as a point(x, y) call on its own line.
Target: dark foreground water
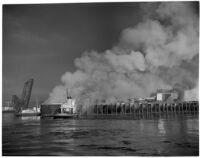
point(176, 136)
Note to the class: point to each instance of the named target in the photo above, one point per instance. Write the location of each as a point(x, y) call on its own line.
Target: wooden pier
point(146, 108)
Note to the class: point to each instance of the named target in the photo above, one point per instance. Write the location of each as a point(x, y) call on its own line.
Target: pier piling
point(146, 109)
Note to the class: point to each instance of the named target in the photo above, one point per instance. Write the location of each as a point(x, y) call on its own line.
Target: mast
point(36, 99)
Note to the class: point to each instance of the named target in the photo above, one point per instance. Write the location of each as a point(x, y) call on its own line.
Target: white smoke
point(160, 52)
point(192, 94)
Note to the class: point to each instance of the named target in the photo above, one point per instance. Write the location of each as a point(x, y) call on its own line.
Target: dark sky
point(42, 41)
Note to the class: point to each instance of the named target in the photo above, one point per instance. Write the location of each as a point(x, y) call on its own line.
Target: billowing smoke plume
point(160, 52)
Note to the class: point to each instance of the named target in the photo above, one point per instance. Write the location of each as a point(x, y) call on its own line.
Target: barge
point(29, 112)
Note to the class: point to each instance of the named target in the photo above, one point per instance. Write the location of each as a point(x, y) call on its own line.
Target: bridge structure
point(23, 102)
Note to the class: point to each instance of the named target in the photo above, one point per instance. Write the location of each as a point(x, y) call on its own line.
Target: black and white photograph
point(100, 78)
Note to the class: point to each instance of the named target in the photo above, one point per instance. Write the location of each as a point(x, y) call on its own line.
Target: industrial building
point(166, 95)
point(66, 108)
point(50, 109)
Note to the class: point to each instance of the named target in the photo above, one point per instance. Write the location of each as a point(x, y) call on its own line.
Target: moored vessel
point(35, 111)
point(60, 110)
point(28, 112)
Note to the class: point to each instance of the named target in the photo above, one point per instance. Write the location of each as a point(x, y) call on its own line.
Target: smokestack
point(68, 94)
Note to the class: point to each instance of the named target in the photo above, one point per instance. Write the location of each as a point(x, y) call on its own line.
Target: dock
point(134, 109)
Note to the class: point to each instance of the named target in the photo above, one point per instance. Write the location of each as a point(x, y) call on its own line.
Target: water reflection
point(161, 127)
point(192, 126)
point(172, 136)
point(26, 118)
point(8, 118)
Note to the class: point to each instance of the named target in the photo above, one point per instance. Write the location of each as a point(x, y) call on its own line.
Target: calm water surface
point(176, 136)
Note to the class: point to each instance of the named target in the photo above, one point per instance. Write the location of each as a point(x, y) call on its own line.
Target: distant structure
point(166, 95)
point(20, 104)
point(164, 102)
point(8, 108)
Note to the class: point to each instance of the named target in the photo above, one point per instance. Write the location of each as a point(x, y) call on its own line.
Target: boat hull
point(27, 114)
point(64, 116)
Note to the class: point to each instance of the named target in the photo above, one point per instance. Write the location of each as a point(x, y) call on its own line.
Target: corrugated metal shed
point(50, 109)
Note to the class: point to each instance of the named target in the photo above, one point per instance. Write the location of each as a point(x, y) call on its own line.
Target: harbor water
point(165, 136)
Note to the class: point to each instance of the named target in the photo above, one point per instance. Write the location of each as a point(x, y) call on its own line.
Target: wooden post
point(139, 109)
point(182, 107)
point(107, 109)
point(171, 107)
point(174, 108)
point(116, 108)
point(164, 107)
point(148, 108)
point(112, 109)
point(167, 107)
point(186, 107)
point(156, 107)
point(161, 108)
point(192, 107)
point(142, 108)
point(97, 109)
point(189, 107)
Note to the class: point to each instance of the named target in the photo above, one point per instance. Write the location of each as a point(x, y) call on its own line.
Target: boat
point(28, 112)
point(67, 109)
point(35, 111)
point(6, 109)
